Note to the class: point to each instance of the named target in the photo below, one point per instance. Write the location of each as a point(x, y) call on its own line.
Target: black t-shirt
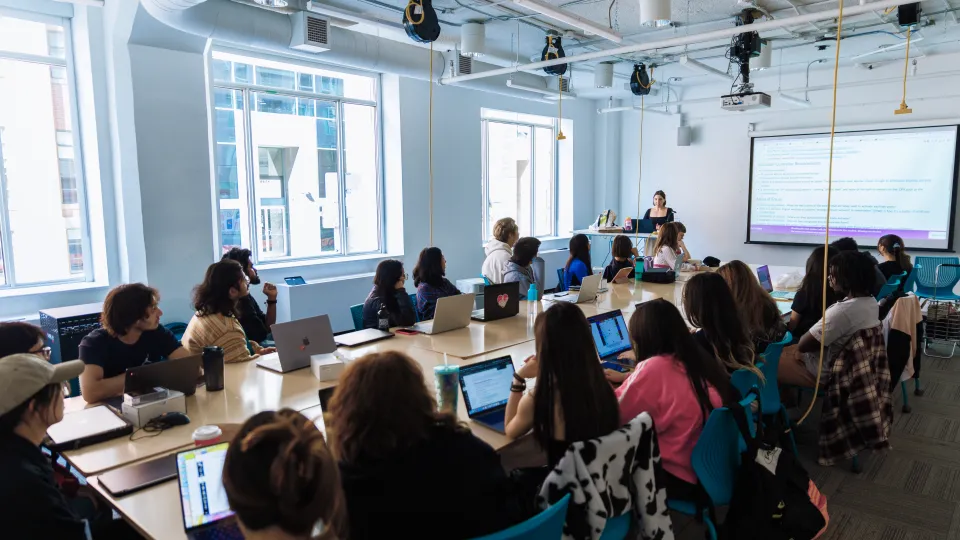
point(31, 506)
point(99, 348)
point(252, 319)
point(890, 269)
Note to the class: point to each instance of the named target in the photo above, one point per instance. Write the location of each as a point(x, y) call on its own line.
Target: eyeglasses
point(43, 351)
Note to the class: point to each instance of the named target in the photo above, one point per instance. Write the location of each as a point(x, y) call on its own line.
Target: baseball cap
point(23, 375)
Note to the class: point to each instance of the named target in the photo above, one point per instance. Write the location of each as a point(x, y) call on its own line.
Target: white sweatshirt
point(498, 253)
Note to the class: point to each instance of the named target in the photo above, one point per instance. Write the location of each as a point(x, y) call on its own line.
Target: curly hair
point(213, 295)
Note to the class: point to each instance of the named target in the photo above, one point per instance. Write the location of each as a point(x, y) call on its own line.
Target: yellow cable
point(636, 227)
point(637, 76)
point(826, 236)
point(406, 13)
point(560, 136)
point(430, 142)
point(906, 65)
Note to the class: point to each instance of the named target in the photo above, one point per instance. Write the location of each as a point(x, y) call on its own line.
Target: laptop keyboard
point(783, 294)
point(225, 532)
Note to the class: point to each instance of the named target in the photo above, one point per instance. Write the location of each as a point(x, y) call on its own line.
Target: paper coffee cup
point(206, 435)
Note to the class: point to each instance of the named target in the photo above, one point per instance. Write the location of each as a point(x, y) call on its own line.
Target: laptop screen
point(203, 499)
point(609, 333)
point(486, 385)
point(763, 273)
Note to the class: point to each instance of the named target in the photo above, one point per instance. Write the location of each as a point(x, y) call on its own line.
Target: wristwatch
point(271, 302)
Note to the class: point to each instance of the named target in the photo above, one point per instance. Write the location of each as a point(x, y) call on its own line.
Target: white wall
point(707, 183)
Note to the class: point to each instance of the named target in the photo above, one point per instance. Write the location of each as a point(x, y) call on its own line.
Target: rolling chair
point(547, 525)
point(891, 285)
point(930, 284)
point(356, 311)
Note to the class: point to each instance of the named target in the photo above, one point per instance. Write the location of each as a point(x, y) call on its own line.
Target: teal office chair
point(743, 380)
point(357, 313)
point(910, 282)
point(547, 525)
point(485, 281)
point(891, 285)
point(930, 284)
point(617, 528)
point(177, 329)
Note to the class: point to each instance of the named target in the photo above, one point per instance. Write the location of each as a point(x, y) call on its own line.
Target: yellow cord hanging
point(639, 82)
point(423, 14)
point(826, 236)
point(430, 141)
point(636, 228)
point(906, 64)
point(560, 135)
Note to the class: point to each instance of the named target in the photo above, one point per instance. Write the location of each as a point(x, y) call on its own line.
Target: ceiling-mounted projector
point(745, 101)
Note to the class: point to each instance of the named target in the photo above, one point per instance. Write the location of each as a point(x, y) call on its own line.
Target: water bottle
point(532, 301)
point(213, 368)
point(638, 269)
point(383, 318)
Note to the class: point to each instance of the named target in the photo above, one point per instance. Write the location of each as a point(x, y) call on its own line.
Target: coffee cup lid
point(204, 433)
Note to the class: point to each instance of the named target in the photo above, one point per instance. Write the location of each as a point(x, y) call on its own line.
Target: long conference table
point(155, 512)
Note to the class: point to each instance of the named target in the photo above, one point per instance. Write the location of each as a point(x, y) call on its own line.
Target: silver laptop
point(587, 293)
point(452, 313)
point(297, 341)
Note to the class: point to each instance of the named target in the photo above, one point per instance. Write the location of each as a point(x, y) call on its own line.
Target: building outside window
point(43, 238)
point(297, 159)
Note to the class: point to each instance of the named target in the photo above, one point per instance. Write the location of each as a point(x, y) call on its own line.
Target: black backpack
point(769, 505)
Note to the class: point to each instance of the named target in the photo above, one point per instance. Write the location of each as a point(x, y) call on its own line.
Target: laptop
point(452, 313)
point(610, 335)
point(486, 387)
point(763, 274)
point(589, 288)
point(297, 341)
point(295, 280)
point(203, 501)
point(499, 302)
point(361, 337)
point(180, 374)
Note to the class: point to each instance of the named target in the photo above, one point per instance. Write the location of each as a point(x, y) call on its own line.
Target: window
point(42, 216)
point(297, 159)
point(520, 171)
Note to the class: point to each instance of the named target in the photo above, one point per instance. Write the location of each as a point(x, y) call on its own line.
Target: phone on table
point(406, 332)
point(615, 366)
point(325, 395)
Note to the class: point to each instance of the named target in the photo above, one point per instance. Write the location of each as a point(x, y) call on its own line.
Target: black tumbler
point(213, 368)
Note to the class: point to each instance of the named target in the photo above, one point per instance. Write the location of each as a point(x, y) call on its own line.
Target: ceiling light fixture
point(696, 65)
point(603, 75)
point(549, 93)
point(655, 13)
point(472, 39)
point(272, 3)
point(589, 27)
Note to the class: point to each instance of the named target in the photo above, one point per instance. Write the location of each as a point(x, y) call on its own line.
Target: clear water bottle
point(383, 318)
point(532, 301)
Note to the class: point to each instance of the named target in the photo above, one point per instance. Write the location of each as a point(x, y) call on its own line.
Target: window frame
point(246, 93)
point(553, 125)
point(6, 238)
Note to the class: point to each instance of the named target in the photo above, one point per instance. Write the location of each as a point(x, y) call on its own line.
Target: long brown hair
point(381, 405)
point(570, 376)
point(669, 235)
point(212, 297)
point(758, 310)
point(894, 245)
point(709, 305)
point(279, 472)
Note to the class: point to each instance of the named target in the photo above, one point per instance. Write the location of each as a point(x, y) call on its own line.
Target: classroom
point(479, 269)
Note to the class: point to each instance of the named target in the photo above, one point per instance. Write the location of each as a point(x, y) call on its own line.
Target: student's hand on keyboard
point(628, 355)
point(267, 350)
point(615, 376)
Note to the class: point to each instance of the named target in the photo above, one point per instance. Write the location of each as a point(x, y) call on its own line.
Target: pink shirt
point(660, 387)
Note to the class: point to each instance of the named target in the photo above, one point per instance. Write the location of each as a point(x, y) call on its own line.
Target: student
point(131, 336)
point(895, 261)
point(758, 310)
point(851, 276)
point(256, 324)
point(31, 400)
point(681, 232)
point(808, 302)
point(499, 249)
point(430, 283)
point(20, 337)
point(282, 481)
point(849, 244)
point(215, 322)
point(573, 400)
point(678, 383)
point(520, 267)
point(406, 467)
point(667, 251)
point(388, 288)
point(624, 256)
point(659, 213)
point(711, 309)
point(578, 265)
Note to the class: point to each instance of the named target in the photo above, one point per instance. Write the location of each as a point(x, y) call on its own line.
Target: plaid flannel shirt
point(857, 408)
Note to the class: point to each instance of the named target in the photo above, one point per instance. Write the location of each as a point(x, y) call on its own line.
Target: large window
point(520, 172)
point(43, 238)
point(297, 168)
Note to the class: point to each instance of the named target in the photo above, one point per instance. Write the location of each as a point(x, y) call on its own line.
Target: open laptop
point(295, 280)
point(452, 313)
point(486, 387)
point(763, 274)
point(589, 288)
point(362, 337)
point(203, 501)
point(499, 302)
point(297, 341)
point(610, 335)
point(180, 374)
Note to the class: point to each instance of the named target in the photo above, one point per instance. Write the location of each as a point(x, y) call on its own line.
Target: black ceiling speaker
point(551, 51)
point(640, 82)
point(420, 21)
point(909, 14)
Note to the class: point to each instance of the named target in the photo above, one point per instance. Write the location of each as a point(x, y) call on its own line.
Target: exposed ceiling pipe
point(566, 17)
point(725, 33)
point(690, 63)
point(254, 28)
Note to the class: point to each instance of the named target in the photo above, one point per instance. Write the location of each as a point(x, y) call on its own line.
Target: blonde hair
point(504, 228)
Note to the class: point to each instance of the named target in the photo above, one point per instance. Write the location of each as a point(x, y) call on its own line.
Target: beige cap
point(23, 375)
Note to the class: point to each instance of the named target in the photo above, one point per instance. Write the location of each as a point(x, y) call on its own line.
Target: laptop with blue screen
point(610, 335)
point(486, 387)
point(763, 274)
point(203, 501)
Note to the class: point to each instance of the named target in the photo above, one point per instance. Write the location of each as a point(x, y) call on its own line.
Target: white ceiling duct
point(472, 39)
point(765, 60)
point(255, 28)
point(603, 75)
point(566, 17)
point(655, 13)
